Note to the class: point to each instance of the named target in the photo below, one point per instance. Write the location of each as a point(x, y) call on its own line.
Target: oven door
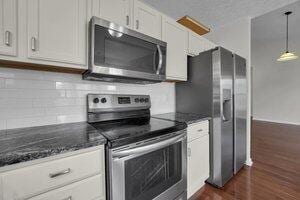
point(121, 52)
point(154, 170)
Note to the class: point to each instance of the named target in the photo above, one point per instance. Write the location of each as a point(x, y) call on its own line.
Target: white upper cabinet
point(147, 20)
point(117, 11)
point(198, 44)
point(176, 37)
point(57, 30)
point(8, 27)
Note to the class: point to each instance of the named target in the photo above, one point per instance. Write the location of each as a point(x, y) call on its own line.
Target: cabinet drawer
point(197, 130)
point(36, 179)
point(88, 189)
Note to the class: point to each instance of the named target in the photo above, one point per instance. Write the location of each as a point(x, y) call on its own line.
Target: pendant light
point(287, 55)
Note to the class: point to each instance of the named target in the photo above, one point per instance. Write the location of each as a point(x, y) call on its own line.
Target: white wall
point(236, 36)
point(35, 98)
point(276, 92)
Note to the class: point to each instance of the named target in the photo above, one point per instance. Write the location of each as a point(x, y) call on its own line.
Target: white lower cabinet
point(198, 163)
point(79, 176)
point(88, 189)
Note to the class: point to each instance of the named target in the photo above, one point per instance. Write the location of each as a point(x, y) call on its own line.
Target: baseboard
point(249, 162)
point(275, 121)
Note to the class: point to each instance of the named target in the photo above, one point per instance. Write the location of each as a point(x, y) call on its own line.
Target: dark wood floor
point(275, 173)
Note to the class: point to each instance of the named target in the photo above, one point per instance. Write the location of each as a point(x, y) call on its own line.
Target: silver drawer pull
point(137, 24)
point(8, 38)
point(64, 172)
point(33, 44)
point(127, 20)
point(200, 130)
point(68, 198)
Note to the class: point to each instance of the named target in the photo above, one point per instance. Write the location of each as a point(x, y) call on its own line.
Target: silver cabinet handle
point(68, 198)
point(159, 66)
point(33, 44)
point(127, 20)
point(137, 24)
point(200, 130)
point(189, 152)
point(8, 38)
point(64, 172)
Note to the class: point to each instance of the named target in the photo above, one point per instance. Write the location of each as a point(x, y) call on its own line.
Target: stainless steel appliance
point(216, 87)
point(240, 111)
point(146, 157)
point(123, 55)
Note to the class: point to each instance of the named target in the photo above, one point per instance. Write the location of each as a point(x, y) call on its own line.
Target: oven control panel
point(111, 102)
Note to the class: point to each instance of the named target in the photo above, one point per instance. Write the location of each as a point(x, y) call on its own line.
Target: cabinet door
point(117, 11)
point(176, 37)
point(87, 189)
point(198, 164)
point(57, 30)
point(147, 20)
point(8, 27)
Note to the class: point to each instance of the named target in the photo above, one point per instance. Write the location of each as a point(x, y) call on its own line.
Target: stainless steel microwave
point(118, 54)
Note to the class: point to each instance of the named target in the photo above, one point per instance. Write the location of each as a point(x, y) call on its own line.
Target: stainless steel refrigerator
point(216, 87)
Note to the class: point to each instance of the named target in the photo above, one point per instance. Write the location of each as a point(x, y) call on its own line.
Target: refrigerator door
point(240, 112)
point(222, 126)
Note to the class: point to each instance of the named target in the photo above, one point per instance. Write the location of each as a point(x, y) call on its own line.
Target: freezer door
point(240, 112)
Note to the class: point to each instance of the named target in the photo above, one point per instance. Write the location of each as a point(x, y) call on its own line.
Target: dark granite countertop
point(188, 118)
point(24, 144)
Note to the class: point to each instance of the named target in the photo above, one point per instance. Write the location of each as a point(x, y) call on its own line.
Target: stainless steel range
point(146, 157)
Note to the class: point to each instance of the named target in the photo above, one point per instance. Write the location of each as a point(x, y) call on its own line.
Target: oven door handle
point(149, 148)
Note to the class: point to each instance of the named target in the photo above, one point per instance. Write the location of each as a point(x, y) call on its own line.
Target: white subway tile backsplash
point(71, 118)
point(78, 93)
point(29, 84)
point(15, 103)
point(2, 124)
point(2, 83)
point(21, 74)
point(30, 121)
point(52, 102)
point(10, 113)
point(55, 76)
point(37, 93)
point(67, 110)
point(8, 93)
point(35, 98)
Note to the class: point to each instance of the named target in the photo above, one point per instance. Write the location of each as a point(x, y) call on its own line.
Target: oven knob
point(142, 100)
point(136, 100)
point(103, 100)
point(146, 100)
point(96, 100)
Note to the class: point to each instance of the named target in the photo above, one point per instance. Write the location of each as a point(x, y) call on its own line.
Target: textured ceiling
point(215, 13)
point(272, 25)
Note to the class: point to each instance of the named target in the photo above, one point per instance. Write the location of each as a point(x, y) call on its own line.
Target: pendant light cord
point(287, 33)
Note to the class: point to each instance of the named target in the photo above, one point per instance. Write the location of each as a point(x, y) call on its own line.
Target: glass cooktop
point(121, 132)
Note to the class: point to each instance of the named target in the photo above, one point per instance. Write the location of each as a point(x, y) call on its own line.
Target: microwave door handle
point(159, 66)
point(148, 148)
